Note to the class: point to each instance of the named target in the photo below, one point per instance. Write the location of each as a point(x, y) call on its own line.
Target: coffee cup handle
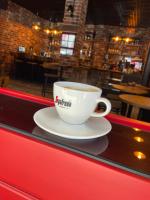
point(108, 108)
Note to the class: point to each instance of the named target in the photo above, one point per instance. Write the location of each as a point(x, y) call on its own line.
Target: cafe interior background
point(101, 43)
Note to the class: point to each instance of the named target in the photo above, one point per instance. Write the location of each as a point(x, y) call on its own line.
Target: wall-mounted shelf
point(118, 50)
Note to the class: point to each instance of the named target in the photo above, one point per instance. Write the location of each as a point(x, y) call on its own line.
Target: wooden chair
point(112, 94)
point(51, 75)
point(134, 77)
point(94, 76)
point(115, 77)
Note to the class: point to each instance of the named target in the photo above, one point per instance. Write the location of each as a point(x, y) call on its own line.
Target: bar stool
point(93, 77)
point(112, 95)
point(115, 77)
point(50, 76)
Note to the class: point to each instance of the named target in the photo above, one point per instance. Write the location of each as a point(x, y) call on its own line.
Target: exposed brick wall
point(13, 34)
point(77, 24)
point(99, 46)
point(16, 29)
point(22, 15)
point(99, 53)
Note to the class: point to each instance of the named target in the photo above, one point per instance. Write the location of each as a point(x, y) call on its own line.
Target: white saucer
point(48, 120)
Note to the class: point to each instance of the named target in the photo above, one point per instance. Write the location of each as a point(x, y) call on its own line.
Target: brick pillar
point(100, 46)
point(79, 12)
point(76, 23)
point(146, 73)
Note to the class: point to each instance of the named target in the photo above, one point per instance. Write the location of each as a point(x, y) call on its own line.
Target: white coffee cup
point(76, 102)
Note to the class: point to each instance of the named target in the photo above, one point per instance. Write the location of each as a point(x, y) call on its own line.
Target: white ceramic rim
point(63, 84)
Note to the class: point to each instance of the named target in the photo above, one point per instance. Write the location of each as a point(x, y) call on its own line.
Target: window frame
point(67, 48)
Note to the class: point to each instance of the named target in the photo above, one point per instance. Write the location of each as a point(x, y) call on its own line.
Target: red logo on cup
point(56, 101)
point(62, 102)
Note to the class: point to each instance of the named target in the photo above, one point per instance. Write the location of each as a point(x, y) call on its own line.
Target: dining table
point(136, 101)
point(143, 87)
point(131, 89)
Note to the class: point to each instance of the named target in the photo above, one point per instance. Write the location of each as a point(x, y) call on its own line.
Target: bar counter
point(38, 165)
point(32, 68)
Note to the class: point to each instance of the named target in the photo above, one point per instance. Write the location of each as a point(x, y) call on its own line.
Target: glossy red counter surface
point(34, 169)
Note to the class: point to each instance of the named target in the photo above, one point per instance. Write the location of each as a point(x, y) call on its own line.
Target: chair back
point(134, 77)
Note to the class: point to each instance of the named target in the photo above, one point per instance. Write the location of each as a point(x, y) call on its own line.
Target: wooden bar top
point(136, 100)
point(130, 89)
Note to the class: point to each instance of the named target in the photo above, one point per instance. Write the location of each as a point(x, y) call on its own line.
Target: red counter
point(34, 169)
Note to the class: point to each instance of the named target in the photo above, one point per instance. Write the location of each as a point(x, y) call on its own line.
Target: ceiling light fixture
point(53, 28)
point(36, 25)
point(116, 39)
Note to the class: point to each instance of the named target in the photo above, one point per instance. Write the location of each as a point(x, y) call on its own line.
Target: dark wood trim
point(146, 74)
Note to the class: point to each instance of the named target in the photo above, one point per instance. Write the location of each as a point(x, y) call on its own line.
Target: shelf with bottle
point(134, 45)
point(89, 36)
point(125, 43)
point(124, 49)
point(123, 46)
point(113, 51)
point(86, 51)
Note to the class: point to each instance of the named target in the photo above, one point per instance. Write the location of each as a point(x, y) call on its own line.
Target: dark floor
point(28, 87)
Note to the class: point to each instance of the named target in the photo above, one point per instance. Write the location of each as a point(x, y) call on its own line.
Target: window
point(67, 44)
